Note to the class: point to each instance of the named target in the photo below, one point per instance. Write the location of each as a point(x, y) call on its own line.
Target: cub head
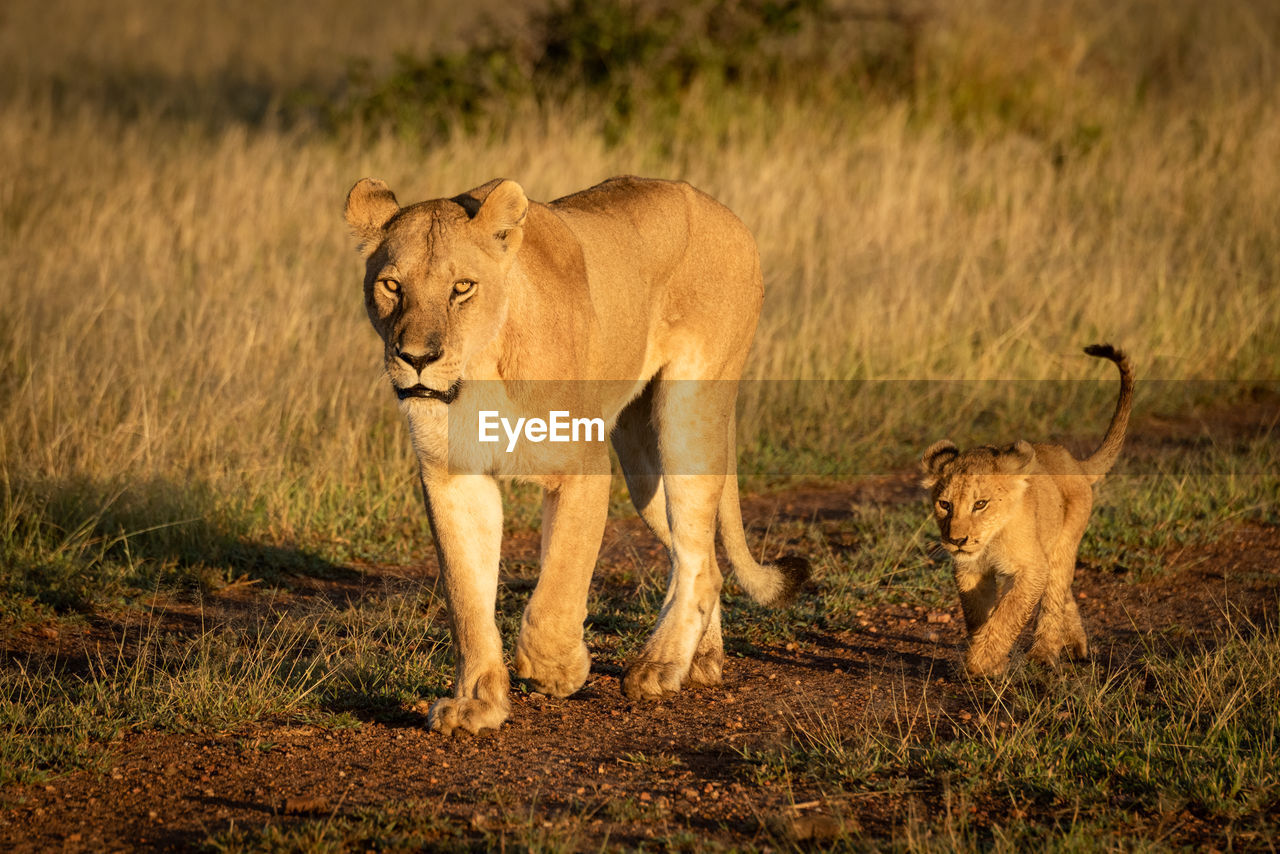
point(435, 283)
point(975, 493)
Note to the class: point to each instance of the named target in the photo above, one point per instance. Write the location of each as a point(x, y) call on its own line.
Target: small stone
point(939, 617)
point(689, 794)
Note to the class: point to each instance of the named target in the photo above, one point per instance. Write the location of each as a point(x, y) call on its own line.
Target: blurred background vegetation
point(941, 191)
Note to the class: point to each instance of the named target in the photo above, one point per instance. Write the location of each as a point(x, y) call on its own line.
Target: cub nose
point(419, 360)
point(959, 541)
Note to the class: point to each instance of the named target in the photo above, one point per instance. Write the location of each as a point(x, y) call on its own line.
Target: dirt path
point(596, 768)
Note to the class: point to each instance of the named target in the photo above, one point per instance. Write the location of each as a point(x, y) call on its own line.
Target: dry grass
point(181, 334)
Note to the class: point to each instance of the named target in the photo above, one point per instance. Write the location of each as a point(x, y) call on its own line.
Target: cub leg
point(978, 591)
point(1051, 624)
point(466, 518)
point(990, 645)
point(1059, 623)
point(1077, 642)
point(550, 652)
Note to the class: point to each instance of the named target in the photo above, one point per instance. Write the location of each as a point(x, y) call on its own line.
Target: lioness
point(633, 302)
point(1014, 517)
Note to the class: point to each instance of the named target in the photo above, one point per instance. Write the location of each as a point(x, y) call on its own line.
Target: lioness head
point(974, 493)
point(435, 283)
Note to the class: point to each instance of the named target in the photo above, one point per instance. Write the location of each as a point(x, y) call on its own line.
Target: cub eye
point(462, 287)
point(944, 506)
point(390, 285)
point(978, 505)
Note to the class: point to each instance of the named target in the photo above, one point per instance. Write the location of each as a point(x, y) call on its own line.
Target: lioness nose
point(418, 361)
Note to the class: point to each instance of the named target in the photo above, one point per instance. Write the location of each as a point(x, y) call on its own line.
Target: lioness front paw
point(652, 680)
point(470, 714)
point(552, 676)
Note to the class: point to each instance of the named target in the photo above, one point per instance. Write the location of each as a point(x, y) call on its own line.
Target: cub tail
point(1101, 461)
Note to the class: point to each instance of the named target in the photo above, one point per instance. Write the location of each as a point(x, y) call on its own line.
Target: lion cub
point(1013, 517)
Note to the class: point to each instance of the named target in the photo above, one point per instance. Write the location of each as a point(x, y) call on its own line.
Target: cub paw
point(472, 715)
point(1046, 654)
point(977, 664)
point(652, 680)
point(555, 677)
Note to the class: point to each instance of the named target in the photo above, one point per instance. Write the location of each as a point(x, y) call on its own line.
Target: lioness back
point(668, 247)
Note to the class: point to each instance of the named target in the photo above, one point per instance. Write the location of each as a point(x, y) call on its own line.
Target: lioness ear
point(370, 206)
point(502, 214)
point(935, 460)
point(1016, 458)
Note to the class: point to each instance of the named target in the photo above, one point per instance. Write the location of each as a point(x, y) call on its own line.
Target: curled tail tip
point(1107, 351)
point(793, 573)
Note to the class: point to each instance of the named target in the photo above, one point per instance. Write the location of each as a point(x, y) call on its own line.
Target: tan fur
point(1013, 517)
point(634, 301)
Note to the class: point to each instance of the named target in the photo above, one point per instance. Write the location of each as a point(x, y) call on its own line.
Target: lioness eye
point(944, 506)
point(463, 286)
point(978, 505)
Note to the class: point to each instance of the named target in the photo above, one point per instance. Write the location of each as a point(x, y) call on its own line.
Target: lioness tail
point(772, 584)
point(1101, 461)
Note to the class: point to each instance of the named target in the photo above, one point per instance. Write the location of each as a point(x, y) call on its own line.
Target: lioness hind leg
point(550, 651)
point(636, 441)
point(691, 421)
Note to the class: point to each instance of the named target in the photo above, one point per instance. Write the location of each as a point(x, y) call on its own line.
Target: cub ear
point(935, 460)
point(502, 214)
point(1016, 458)
point(370, 206)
